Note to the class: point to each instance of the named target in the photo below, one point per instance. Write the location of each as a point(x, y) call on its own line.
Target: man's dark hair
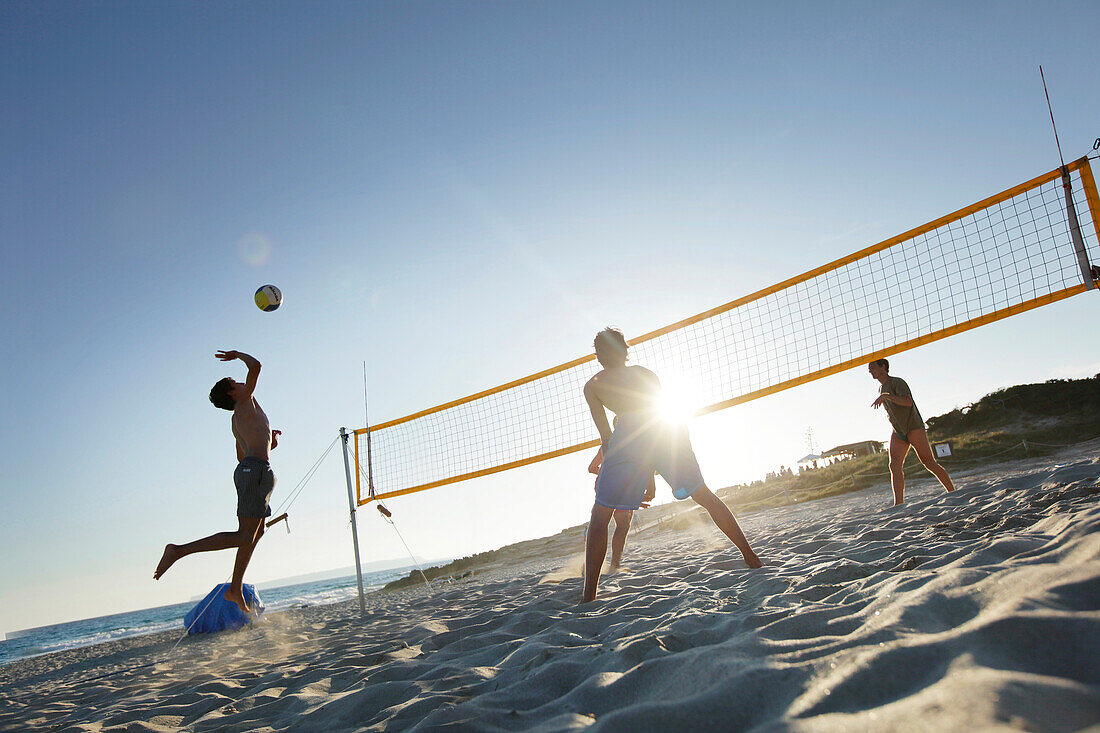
point(882, 363)
point(219, 394)
point(610, 346)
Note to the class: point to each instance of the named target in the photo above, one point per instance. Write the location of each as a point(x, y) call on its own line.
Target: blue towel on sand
point(214, 613)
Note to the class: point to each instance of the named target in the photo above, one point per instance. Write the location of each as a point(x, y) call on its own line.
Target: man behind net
point(908, 430)
point(641, 445)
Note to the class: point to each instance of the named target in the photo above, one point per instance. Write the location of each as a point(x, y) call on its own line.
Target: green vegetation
point(1060, 411)
point(839, 478)
point(1054, 413)
point(568, 541)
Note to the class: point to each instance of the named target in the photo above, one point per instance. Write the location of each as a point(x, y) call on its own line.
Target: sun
point(676, 404)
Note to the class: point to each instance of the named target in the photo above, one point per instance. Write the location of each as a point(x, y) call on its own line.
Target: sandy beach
point(978, 610)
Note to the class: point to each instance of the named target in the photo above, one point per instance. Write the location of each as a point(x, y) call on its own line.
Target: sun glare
point(676, 404)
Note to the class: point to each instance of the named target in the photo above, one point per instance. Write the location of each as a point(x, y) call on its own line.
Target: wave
point(76, 634)
point(109, 635)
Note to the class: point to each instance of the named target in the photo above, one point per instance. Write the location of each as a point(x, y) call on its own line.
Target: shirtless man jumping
point(253, 478)
point(640, 445)
point(908, 429)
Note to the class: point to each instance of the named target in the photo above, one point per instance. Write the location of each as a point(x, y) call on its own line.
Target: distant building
point(854, 450)
point(808, 462)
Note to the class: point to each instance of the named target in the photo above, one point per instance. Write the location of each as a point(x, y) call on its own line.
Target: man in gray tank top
point(908, 429)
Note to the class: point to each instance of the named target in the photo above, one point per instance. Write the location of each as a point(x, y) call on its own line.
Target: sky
point(457, 194)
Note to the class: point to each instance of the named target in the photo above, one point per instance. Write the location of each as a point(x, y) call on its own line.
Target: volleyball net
point(1004, 255)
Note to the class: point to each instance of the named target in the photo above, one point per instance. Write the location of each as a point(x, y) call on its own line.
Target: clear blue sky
point(457, 194)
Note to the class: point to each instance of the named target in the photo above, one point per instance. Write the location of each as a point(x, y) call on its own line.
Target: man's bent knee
point(703, 496)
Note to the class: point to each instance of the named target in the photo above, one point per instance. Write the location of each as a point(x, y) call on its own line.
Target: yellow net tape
point(1007, 254)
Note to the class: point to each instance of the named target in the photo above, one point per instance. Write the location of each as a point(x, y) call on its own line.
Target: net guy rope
point(1025, 247)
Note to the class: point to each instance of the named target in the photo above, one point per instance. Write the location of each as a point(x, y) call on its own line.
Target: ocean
point(73, 634)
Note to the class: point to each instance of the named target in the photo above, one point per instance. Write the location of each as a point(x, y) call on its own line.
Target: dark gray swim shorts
point(255, 481)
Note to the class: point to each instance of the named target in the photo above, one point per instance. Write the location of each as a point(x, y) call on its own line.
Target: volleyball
point(268, 298)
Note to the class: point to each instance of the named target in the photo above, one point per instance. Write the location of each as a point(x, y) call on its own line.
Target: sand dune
point(975, 610)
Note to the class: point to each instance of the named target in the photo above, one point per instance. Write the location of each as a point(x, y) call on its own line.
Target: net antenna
point(1071, 211)
point(1052, 124)
point(366, 424)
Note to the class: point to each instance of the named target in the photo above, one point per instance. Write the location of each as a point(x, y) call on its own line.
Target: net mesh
point(1009, 253)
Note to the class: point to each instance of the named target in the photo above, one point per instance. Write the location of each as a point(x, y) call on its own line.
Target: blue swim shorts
point(641, 446)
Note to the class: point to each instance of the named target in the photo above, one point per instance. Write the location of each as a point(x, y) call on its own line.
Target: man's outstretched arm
point(896, 399)
point(253, 369)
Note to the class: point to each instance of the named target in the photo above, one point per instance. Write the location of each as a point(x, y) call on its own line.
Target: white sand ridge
point(975, 610)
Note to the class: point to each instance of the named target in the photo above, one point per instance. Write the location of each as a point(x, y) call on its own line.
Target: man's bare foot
point(237, 596)
point(752, 560)
point(171, 554)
